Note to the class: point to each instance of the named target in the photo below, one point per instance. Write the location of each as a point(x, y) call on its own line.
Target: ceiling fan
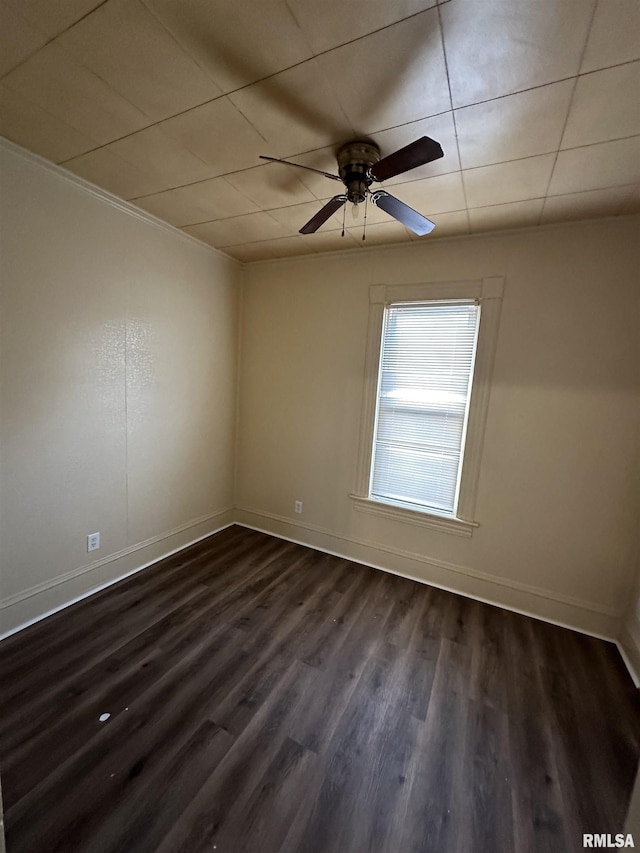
point(359, 165)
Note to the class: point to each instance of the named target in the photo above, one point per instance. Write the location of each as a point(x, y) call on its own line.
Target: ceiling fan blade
point(409, 217)
point(323, 214)
point(422, 151)
point(300, 166)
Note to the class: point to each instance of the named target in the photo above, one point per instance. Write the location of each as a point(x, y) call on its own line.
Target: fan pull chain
point(344, 214)
point(364, 224)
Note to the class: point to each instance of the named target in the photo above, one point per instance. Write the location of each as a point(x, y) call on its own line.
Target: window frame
point(488, 292)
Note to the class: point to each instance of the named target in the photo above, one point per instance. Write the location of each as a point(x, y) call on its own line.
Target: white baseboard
point(565, 611)
point(39, 602)
point(31, 605)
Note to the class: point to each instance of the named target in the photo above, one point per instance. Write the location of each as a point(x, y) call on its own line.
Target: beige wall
point(117, 365)
point(558, 501)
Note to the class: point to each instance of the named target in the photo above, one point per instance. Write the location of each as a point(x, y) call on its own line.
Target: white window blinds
point(424, 388)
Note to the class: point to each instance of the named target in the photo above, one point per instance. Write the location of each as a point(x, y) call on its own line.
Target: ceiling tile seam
point(49, 38)
point(135, 199)
point(29, 100)
point(251, 168)
point(453, 116)
point(371, 32)
point(224, 94)
point(569, 106)
point(182, 47)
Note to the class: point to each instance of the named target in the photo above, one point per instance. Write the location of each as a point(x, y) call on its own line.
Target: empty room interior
point(319, 426)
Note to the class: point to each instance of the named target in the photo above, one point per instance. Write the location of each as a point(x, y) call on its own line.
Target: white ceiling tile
point(515, 126)
point(440, 194)
point(219, 134)
point(438, 127)
point(294, 111)
point(248, 252)
point(606, 105)
point(126, 46)
point(75, 95)
point(288, 247)
point(382, 232)
point(506, 182)
point(271, 185)
point(236, 43)
point(516, 214)
point(53, 18)
point(392, 77)
point(238, 229)
point(107, 170)
point(29, 125)
point(201, 202)
point(614, 35)
point(18, 38)
point(597, 166)
point(449, 224)
point(334, 22)
point(333, 241)
point(497, 47)
point(152, 149)
point(612, 201)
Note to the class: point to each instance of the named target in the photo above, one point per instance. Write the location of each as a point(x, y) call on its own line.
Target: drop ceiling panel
point(516, 214)
point(271, 185)
point(107, 170)
point(18, 38)
point(498, 47)
point(170, 103)
point(152, 149)
point(334, 22)
point(614, 36)
point(75, 95)
point(127, 47)
point(440, 194)
point(237, 43)
point(198, 203)
point(521, 125)
point(595, 167)
point(285, 115)
point(391, 77)
point(229, 232)
point(612, 201)
point(219, 134)
point(508, 182)
point(53, 18)
point(29, 125)
point(606, 105)
point(451, 224)
point(383, 232)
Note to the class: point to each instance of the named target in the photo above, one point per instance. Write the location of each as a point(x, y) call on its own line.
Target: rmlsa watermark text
point(605, 840)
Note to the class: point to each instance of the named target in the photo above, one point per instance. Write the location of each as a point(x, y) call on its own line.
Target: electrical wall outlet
point(93, 541)
point(298, 506)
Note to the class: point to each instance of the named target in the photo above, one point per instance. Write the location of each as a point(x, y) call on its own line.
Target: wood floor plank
point(267, 697)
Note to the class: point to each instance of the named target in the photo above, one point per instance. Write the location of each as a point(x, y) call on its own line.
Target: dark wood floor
point(267, 697)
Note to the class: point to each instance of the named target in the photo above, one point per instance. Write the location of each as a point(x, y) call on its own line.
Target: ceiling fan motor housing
point(355, 160)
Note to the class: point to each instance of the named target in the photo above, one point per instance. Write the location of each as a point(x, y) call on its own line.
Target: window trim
point(489, 292)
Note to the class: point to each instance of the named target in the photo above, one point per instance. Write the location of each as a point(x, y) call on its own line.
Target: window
point(429, 359)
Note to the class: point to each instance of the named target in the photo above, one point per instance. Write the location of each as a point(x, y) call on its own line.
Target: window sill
point(456, 526)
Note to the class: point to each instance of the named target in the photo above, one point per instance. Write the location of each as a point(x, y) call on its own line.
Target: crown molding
point(108, 198)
